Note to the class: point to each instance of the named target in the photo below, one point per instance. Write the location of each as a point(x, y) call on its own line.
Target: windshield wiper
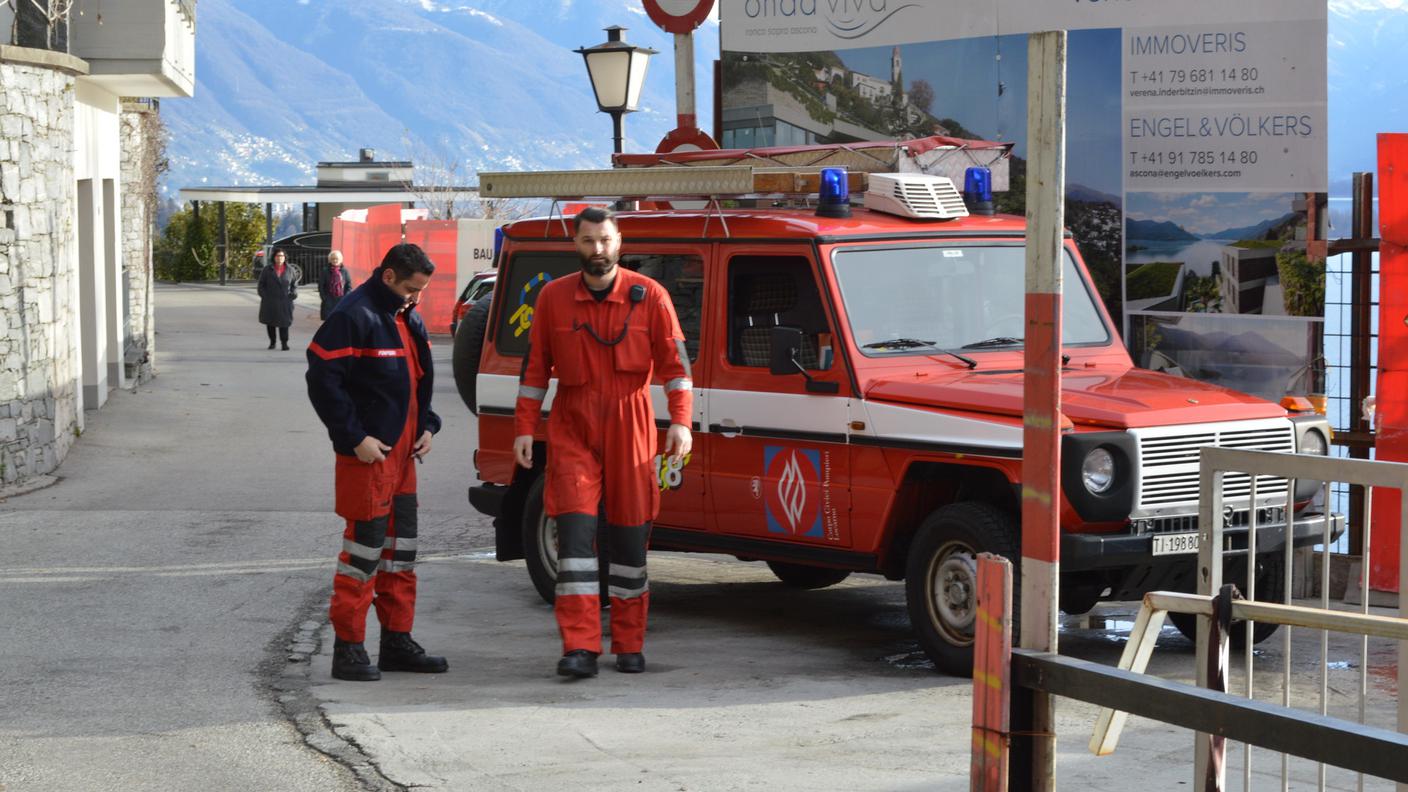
point(914, 343)
point(1000, 341)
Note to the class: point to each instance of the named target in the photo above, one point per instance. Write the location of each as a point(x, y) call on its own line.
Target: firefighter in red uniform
point(370, 379)
point(602, 333)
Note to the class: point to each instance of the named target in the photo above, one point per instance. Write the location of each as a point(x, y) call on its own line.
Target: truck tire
point(539, 542)
point(1270, 587)
point(802, 576)
point(941, 579)
point(469, 345)
point(540, 547)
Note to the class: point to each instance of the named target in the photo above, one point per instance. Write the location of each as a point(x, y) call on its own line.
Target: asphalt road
point(164, 628)
point(150, 594)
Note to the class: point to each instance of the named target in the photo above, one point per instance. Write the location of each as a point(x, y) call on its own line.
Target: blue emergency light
point(835, 194)
point(977, 191)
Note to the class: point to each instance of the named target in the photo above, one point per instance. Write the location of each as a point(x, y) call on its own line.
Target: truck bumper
point(488, 498)
point(1105, 551)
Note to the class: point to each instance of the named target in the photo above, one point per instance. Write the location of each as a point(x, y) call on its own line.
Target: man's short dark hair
point(406, 260)
point(593, 214)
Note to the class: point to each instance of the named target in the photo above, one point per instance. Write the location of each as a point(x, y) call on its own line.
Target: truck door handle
point(727, 428)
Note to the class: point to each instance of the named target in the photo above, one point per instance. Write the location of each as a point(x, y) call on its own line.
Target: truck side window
point(771, 291)
point(682, 275)
point(527, 273)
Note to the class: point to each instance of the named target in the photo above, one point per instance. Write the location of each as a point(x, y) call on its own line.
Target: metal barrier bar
point(1342, 743)
point(1293, 467)
point(992, 670)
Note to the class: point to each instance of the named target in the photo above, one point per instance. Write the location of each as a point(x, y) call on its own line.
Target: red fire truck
point(858, 407)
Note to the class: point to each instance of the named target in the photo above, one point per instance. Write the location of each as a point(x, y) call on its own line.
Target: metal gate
point(1005, 678)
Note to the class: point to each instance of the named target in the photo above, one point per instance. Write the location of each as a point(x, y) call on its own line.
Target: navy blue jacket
point(357, 369)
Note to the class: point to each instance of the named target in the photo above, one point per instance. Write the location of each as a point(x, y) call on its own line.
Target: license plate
point(1175, 543)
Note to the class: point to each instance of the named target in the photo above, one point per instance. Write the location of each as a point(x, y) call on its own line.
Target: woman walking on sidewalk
point(277, 290)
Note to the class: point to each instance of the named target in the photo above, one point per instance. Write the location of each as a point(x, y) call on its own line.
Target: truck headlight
point(1312, 442)
point(1097, 472)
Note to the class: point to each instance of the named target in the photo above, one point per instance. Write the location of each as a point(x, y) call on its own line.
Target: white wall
point(97, 159)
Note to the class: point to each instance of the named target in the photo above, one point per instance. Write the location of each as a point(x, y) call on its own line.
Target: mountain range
point(469, 85)
point(1257, 231)
point(457, 87)
point(1157, 231)
point(1168, 231)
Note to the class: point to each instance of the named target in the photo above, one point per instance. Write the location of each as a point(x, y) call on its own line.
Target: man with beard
point(603, 333)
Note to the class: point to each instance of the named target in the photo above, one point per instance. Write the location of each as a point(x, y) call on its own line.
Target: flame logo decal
point(792, 491)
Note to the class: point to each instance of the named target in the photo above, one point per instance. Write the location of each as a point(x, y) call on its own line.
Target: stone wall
point(141, 148)
point(39, 365)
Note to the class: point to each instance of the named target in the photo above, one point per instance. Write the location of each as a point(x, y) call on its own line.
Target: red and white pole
point(685, 117)
point(1041, 429)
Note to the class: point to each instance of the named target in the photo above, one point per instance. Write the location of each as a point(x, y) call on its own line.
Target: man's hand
point(678, 442)
point(422, 446)
point(371, 450)
point(523, 451)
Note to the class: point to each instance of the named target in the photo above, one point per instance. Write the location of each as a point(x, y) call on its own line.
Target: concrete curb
point(27, 486)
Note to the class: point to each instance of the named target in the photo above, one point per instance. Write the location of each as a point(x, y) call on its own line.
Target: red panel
point(1041, 436)
point(1392, 390)
point(384, 225)
point(992, 669)
point(438, 238)
point(351, 239)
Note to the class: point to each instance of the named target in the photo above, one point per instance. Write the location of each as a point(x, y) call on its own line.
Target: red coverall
point(379, 546)
point(602, 440)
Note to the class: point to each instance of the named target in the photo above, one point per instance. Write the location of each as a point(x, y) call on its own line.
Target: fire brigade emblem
point(522, 318)
point(791, 490)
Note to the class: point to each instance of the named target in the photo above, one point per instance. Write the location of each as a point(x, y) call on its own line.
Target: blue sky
point(965, 75)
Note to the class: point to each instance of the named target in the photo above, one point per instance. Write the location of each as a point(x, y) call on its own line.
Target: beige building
point(79, 84)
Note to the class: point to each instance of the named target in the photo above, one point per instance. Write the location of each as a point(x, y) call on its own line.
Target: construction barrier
point(459, 248)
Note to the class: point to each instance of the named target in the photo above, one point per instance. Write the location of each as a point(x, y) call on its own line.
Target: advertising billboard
point(1196, 134)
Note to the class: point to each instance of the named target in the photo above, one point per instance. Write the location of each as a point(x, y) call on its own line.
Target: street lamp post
point(617, 71)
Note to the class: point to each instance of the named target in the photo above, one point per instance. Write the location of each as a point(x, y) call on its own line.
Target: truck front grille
point(1168, 461)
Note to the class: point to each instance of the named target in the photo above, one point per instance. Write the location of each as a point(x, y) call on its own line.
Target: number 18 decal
point(670, 475)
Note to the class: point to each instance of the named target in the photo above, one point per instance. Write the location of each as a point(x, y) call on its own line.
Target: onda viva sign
point(816, 25)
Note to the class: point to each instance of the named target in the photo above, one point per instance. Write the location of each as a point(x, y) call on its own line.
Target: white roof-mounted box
point(915, 195)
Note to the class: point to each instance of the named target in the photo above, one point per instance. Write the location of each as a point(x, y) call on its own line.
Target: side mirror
point(784, 353)
point(784, 348)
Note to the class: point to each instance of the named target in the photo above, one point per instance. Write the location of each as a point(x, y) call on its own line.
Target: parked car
point(480, 285)
point(859, 408)
point(307, 251)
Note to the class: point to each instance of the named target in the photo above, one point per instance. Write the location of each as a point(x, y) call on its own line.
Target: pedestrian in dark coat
point(333, 285)
point(277, 290)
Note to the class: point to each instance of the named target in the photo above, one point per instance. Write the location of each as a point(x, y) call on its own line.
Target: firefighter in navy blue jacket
point(370, 379)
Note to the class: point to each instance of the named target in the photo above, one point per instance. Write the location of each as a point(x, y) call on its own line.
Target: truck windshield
point(951, 298)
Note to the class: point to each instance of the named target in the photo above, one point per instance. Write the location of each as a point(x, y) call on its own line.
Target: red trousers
point(577, 604)
point(379, 546)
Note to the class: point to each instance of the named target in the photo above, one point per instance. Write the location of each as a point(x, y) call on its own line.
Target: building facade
point(75, 229)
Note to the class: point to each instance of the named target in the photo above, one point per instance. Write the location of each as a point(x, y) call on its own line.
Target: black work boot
point(630, 662)
point(350, 662)
point(400, 653)
point(577, 663)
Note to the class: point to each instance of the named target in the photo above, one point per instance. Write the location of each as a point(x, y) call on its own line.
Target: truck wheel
point(469, 344)
point(1270, 587)
point(539, 541)
point(941, 579)
point(540, 547)
point(807, 577)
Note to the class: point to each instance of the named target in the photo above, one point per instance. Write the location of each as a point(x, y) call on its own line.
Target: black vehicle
point(307, 251)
